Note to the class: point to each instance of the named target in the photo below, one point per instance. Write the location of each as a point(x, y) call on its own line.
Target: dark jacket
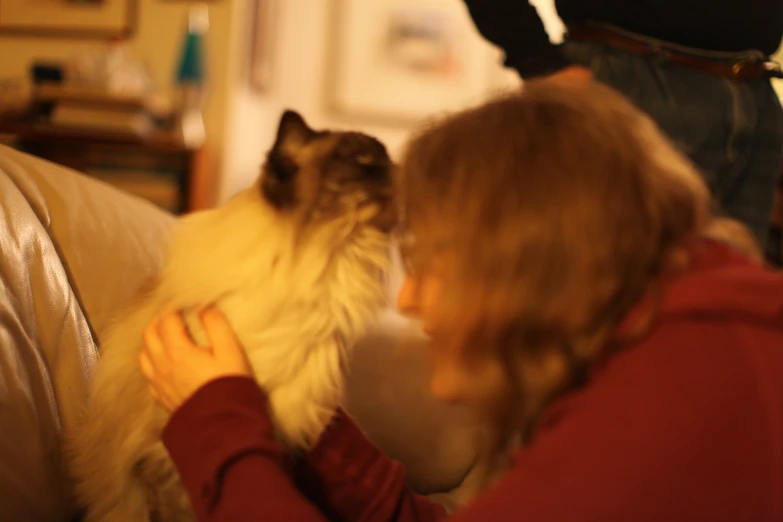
point(716, 25)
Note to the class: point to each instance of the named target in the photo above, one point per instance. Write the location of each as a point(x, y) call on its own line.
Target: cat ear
point(277, 182)
point(293, 134)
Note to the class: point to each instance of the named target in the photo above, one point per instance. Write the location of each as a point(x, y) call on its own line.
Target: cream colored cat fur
point(297, 295)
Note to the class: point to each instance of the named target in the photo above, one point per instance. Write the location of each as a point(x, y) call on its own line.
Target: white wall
point(300, 62)
point(299, 83)
point(779, 83)
point(240, 122)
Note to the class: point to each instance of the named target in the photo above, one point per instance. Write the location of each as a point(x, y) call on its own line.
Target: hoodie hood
point(723, 283)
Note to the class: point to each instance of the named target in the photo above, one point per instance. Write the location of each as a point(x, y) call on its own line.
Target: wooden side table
point(159, 157)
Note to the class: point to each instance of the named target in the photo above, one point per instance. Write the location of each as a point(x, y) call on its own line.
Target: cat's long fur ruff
point(296, 306)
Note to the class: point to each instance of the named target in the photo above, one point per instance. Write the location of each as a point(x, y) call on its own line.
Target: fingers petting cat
point(176, 367)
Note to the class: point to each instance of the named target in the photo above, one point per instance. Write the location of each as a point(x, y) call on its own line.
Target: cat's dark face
point(328, 175)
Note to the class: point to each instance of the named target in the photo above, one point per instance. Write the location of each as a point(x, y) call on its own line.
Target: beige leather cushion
point(389, 398)
point(72, 249)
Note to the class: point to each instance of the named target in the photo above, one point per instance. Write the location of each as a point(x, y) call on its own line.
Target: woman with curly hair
point(578, 291)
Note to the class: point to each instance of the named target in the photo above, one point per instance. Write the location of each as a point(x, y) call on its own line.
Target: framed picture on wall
point(262, 40)
point(79, 19)
point(399, 61)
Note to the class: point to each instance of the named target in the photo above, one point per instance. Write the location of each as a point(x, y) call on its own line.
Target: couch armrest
point(73, 249)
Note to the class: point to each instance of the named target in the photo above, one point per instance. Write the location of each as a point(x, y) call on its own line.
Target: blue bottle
point(191, 78)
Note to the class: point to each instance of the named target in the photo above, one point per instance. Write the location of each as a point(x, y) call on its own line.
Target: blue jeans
point(732, 131)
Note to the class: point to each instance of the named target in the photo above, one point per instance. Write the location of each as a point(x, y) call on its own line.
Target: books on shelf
point(54, 93)
point(98, 134)
point(113, 120)
point(91, 109)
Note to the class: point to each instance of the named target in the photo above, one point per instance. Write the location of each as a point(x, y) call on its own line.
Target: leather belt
point(739, 71)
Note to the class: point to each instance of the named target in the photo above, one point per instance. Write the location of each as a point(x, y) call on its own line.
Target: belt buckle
point(771, 69)
point(738, 68)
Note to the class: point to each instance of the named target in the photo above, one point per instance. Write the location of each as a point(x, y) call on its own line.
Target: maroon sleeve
point(222, 444)
point(357, 481)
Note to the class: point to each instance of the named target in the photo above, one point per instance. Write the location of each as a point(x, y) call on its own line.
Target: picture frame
point(262, 44)
point(69, 19)
point(397, 62)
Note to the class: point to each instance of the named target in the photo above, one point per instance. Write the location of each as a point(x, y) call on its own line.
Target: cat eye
point(364, 160)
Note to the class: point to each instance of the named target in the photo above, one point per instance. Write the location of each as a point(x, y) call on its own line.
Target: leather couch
point(73, 251)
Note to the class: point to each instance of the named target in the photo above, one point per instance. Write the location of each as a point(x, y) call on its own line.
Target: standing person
point(700, 68)
point(560, 258)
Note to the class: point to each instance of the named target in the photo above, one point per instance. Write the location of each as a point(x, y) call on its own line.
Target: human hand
point(573, 74)
point(175, 366)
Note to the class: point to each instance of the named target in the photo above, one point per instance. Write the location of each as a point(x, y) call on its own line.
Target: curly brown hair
point(560, 206)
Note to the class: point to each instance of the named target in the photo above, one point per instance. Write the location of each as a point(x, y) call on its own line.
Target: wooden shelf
point(76, 148)
point(161, 141)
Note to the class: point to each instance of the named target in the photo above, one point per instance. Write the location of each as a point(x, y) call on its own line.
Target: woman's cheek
point(445, 387)
point(449, 381)
point(455, 380)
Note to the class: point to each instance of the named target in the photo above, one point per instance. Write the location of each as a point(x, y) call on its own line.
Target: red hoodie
point(684, 426)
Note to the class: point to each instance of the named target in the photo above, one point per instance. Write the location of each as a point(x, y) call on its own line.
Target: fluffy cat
point(297, 264)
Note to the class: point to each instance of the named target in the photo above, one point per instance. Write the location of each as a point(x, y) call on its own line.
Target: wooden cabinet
point(156, 167)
